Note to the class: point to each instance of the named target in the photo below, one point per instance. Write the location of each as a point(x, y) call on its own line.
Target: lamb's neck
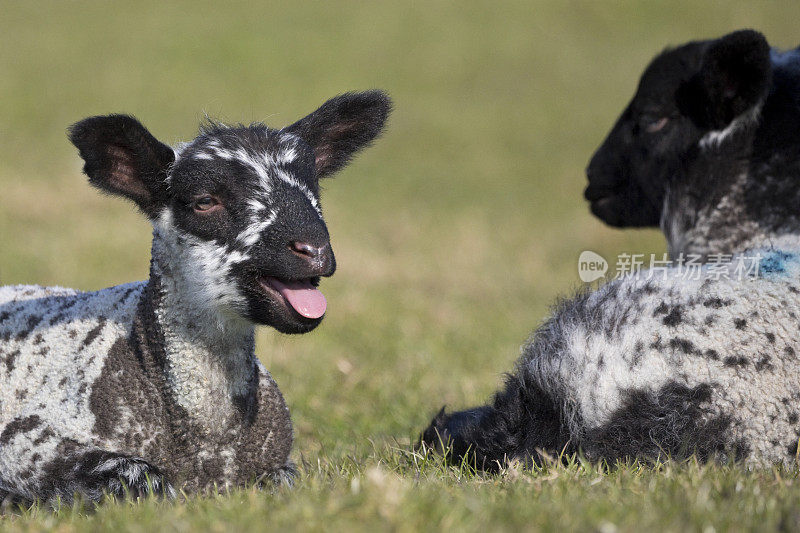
point(719, 227)
point(747, 211)
point(209, 361)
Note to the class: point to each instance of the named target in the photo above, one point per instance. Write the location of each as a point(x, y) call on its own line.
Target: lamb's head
point(238, 228)
point(690, 101)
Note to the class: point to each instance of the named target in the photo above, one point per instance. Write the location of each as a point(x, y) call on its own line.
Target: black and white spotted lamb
point(155, 385)
point(681, 361)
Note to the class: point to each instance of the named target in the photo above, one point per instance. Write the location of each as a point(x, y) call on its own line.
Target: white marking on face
point(200, 269)
point(251, 233)
point(717, 137)
point(267, 166)
point(290, 180)
point(256, 204)
point(221, 153)
point(287, 156)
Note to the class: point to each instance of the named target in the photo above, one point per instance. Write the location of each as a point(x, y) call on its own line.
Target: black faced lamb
point(155, 385)
point(709, 148)
point(700, 360)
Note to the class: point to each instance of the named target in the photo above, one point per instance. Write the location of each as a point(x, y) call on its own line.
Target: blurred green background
point(453, 234)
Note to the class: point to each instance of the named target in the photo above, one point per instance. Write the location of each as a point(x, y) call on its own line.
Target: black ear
point(734, 76)
point(122, 157)
point(341, 127)
point(435, 435)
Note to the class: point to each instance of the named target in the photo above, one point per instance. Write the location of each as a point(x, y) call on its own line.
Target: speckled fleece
point(653, 365)
point(732, 347)
point(86, 390)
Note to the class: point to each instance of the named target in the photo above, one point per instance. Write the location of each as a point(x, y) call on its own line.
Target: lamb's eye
point(656, 125)
point(205, 203)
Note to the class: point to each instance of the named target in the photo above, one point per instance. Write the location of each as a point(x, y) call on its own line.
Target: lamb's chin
point(267, 307)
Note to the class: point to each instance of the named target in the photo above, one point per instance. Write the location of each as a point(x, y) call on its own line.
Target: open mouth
point(300, 295)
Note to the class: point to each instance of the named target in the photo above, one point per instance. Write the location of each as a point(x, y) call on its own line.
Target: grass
point(453, 234)
point(411, 493)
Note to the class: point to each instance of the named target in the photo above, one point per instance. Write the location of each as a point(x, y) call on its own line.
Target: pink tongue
point(303, 296)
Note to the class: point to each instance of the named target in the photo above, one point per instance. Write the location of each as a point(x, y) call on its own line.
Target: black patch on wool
point(9, 360)
point(764, 363)
point(93, 333)
point(45, 435)
point(735, 360)
point(30, 325)
point(674, 421)
point(674, 317)
point(683, 345)
point(133, 375)
point(19, 425)
point(638, 353)
point(716, 303)
point(740, 323)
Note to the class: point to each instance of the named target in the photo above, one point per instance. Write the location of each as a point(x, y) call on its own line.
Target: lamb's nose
point(319, 259)
point(308, 250)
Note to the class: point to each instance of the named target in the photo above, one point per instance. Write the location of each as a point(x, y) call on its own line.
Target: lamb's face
point(629, 173)
point(245, 222)
point(238, 226)
point(688, 98)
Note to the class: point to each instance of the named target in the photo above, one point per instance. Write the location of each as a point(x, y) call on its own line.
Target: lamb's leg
point(10, 502)
point(94, 473)
point(282, 477)
point(521, 422)
point(473, 435)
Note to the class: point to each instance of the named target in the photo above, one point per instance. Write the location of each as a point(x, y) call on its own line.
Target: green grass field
point(453, 234)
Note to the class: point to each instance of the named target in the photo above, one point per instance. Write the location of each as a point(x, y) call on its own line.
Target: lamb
point(155, 386)
point(709, 149)
point(701, 360)
point(650, 366)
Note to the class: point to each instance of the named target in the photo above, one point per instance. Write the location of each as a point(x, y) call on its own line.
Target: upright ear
point(734, 76)
point(341, 127)
point(122, 157)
